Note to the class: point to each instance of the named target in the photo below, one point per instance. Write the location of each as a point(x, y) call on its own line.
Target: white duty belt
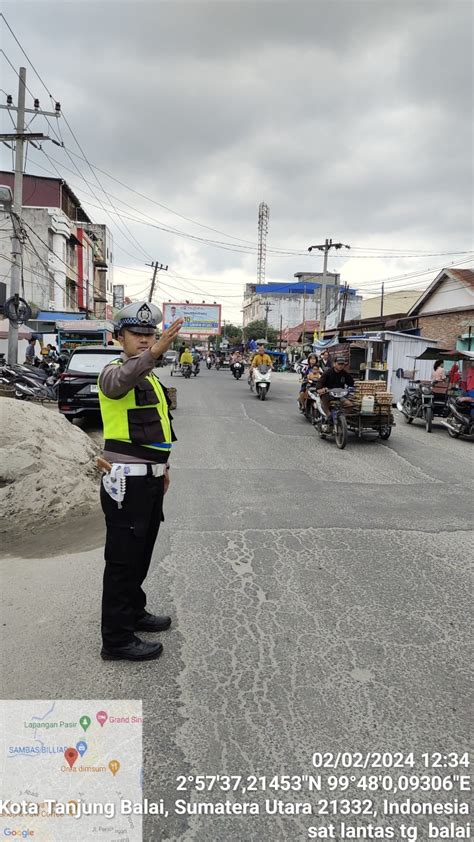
point(115, 480)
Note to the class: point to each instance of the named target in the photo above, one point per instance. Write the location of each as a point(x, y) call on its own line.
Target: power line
point(61, 143)
point(254, 246)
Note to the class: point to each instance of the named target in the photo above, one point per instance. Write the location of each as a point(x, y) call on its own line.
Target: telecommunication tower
point(263, 217)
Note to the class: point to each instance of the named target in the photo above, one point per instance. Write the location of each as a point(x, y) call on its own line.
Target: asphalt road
point(319, 600)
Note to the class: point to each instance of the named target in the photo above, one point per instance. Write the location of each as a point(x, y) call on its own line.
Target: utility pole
point(17, 245)
point(267, 310)
point(325, 248)
point(156, 268)
point(381, 300)
point(19, 137)
point(345, 296)
point(281, 330)
point(304, 319)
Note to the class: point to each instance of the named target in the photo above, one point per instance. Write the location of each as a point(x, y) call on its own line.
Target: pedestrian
point(138, 440)
point(30, 351)
point(438, 375)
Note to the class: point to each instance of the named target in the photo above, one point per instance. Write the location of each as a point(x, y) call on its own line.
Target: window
point(93, 362)
point(71, 294)
point(51, 286)
point(50, 239)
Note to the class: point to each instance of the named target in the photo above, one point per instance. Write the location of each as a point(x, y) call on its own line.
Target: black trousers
point(131, 536)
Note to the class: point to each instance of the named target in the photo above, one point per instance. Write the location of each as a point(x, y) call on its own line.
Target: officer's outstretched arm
point(166, 339)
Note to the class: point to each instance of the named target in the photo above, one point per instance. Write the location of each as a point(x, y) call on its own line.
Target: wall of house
point(36, 278)
point(446, 327)
point(450, 294)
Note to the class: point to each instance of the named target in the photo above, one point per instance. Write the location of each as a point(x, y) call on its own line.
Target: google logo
point(22, 834)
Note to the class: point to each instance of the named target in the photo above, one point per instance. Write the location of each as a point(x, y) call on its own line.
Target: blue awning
point(58, 315)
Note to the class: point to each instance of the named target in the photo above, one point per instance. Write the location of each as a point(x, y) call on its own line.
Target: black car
point(78, 392)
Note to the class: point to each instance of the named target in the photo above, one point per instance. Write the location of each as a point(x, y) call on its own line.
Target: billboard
point(199, 319)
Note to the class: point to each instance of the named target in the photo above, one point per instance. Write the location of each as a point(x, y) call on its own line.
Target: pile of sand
point(47, 467)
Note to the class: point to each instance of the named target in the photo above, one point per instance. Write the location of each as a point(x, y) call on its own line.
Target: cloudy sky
point(351, 120)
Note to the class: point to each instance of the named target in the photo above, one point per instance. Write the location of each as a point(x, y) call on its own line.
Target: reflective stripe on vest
point(125, 420)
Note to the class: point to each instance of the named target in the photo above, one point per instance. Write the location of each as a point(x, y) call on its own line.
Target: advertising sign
point(199, 319)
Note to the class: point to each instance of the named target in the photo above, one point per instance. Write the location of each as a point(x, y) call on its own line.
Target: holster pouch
point(115, 483)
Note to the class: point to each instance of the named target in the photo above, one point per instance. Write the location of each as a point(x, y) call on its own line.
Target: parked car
point(78, 392)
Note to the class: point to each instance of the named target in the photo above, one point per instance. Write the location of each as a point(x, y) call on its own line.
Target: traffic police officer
point(138, 440)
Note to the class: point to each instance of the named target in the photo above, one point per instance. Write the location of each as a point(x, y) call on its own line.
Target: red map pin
point(71, 755)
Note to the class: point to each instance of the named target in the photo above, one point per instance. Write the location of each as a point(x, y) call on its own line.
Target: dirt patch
point(76, 533)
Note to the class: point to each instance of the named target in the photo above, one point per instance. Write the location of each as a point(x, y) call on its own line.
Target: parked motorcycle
point(460, 420)
point(335, 425)
point(237, 370)
point(417, 402)
point(260, 381)
point(28, 386)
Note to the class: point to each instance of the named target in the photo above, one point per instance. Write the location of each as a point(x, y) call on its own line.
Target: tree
point(256, 330)
point(233, 333)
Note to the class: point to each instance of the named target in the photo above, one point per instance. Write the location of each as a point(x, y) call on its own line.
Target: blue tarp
point(321, 344)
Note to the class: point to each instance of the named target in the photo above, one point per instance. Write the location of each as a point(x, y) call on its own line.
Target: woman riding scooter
point(309, 373)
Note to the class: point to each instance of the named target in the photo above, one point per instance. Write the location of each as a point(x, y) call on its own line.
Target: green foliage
point(256, 330)
point(233, 334)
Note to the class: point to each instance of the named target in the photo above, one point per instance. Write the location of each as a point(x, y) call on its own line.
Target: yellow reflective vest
point(140, 417)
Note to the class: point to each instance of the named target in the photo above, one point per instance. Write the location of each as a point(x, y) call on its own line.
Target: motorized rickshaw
point(426, 400)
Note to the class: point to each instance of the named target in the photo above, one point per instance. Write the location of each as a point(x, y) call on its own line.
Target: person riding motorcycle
point(324, 361)
point(334, 378)
point(186, 358)
point(236, 358)
point(310, 373)
point(259, 358)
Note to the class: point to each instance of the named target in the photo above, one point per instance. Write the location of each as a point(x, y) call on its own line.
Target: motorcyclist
point(310, 373)
point(334, 378)
point(324, 361)
point(196, 360)
point(186, 358)
point(236, 358)
point(259, 358)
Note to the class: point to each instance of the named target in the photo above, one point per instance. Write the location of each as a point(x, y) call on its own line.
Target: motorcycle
point(460, 420)
point(417, 402)
point(186, 370)
point(237, 370)
point(196, 368)
point(209, 363)
point(29, 387)
point(260, 381)
point(310, 409)
point(334, 425)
